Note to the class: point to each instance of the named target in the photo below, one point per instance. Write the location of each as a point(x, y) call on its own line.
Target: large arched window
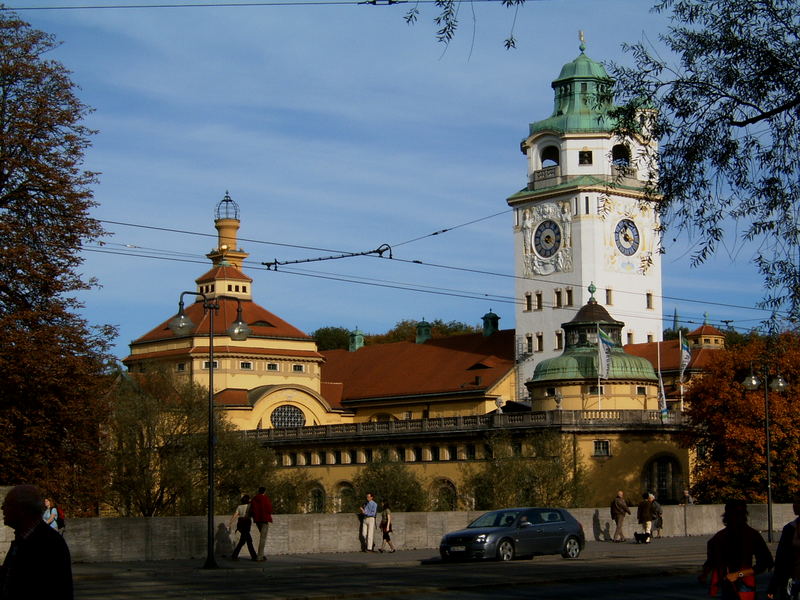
point(621, 155)
point(444, 495)
point(316, 500)
point(663, 476)
point(346, 501)
point(287, 416)
point(550, 156)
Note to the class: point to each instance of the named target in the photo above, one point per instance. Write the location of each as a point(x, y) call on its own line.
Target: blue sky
point(339, 128)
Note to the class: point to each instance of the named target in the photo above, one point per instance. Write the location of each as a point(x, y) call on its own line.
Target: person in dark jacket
point(619, 508)
point(785, 582)
point(730, 555)
point(645, 515)
point(38, 563)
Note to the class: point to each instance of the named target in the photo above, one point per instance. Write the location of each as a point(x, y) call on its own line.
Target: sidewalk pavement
point(356, 575)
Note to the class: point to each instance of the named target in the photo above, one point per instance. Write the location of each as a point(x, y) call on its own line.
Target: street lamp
point(778, 384)
point(181, 325)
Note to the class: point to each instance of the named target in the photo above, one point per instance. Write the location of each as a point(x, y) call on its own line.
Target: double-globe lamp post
point(778, 384)
point(181, 325)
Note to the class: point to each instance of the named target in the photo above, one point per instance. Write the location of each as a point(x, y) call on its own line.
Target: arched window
point(316, 500)
point(287, 416)
point(550, 156)
point(346, 501)
point(621, 156)
point(663, 476)
point(444, 495)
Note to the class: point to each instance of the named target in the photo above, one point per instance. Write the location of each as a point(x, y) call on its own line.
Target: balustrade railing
point(553, 418)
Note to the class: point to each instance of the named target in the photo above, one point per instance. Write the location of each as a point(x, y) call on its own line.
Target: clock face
point(547, 238)
point(626, 235)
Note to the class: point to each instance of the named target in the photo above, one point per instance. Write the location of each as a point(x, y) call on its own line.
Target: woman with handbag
point(243, 524)
point(386, 527)
point(730, 556)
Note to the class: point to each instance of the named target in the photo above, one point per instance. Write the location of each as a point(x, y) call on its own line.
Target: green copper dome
point(580, 358)
point(583, 98)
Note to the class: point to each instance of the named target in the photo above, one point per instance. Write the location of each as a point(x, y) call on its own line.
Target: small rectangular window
point(368, 455)
point(551, 391)
point(181, 367)
point(436, 453)
point(298, 368)
point(584, 157)
point(528, 344)
point(602, 448)
point(586, 204)
point(539, 342)
point(649, 338)
point(417, 452)
point(559, 340)
point(596, 389)
point(641, 390)
point(236, 288)
point(649, 300)
point(452, 452)
point(246, 365)
point(539, 303)
point(569, 296)
point(528, 301)
point(272, 366)
point(609, 297)
point(207, 364)
point(244, 288)
point(230, 287)
point(470, 452)
point(630, 337)
point(558, 299)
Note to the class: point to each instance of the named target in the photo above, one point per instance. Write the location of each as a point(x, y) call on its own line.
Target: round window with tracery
point(287, 416)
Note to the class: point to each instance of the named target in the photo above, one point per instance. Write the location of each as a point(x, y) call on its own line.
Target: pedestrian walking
point(731, 554)
point(785, 582)
point(658, 518)
point(50, 514)
point(261, 511)
point(386, 527)
point(241, 517)
point(619, 508)
point(645, 516)
point(368, 510)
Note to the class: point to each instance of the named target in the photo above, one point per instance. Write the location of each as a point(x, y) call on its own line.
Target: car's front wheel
point(505, 550)
point(572, 548)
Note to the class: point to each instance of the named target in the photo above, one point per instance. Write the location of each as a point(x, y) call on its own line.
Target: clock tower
point(583, 219)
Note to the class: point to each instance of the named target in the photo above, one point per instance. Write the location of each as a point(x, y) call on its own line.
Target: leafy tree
point(332, 338)
point(406, 331)
point(51, 363)
point(392, 481)
point(725, 108)
point(157, 449)
point(538, 470)
point(291, 492)
point(728, 423)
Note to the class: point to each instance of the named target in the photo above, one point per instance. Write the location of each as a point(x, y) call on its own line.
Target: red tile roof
point(223, 272)
point(441, 366)
point(705, 329)
point(670, 355)
point(262, 322)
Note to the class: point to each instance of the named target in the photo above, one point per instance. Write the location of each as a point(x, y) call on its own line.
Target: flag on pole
point(686, 354)
point(662, 396)
point(604, 345)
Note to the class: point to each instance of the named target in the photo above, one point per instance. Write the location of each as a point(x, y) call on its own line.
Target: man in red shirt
point(261, 511)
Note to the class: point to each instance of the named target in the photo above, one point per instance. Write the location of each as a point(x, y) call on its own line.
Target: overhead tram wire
point(411, 287)
point(239, 4)
point(435, 265)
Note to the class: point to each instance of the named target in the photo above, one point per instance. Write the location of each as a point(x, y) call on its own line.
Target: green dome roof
point(582, 67)
point(582, 99)
point(581, 363)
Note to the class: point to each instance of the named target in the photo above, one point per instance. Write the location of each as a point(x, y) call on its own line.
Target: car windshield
point(497, 518)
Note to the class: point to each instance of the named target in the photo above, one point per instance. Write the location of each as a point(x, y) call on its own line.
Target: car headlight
point(481, 538)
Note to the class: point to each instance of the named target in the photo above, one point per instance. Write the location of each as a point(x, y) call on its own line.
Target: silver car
point(514, 532)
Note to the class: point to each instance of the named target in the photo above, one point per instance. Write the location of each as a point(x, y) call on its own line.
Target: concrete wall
point(165, 538)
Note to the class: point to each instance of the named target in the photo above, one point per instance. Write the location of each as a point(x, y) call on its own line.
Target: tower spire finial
point(583, 40)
